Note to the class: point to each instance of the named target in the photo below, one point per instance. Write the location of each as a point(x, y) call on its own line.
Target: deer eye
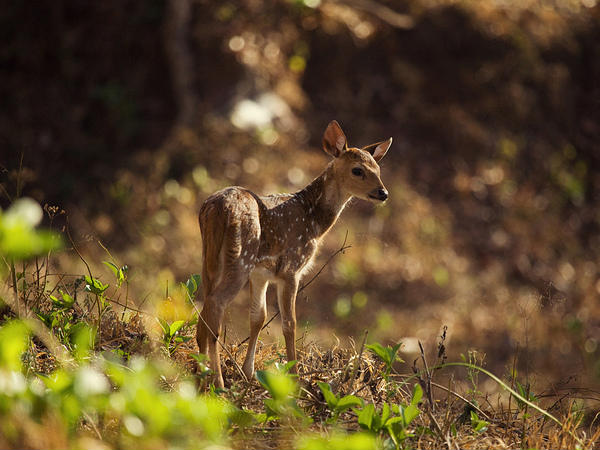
point(358, 172)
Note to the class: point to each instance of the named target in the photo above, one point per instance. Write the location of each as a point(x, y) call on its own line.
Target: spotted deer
point(273, 239)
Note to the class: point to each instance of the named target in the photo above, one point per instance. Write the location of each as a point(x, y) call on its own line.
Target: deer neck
point(323, 201)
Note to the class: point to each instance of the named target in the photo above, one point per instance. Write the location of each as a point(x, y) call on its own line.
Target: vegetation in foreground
point(79, 367)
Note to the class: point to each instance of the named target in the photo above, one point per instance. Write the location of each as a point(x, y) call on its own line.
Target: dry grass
point(445, 423)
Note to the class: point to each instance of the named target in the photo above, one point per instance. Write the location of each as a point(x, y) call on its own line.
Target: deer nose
point(379, 194)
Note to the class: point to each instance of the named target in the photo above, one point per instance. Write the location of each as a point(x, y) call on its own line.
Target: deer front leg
point(286, 298)
point(258, 314)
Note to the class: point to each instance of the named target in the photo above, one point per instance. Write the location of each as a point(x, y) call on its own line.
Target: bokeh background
point(128, 114)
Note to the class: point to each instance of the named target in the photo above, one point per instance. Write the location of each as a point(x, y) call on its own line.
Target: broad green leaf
point(348, 402)
point(55, 301)
point(330, 397)
point(176, 326)
point(409, 414)
point(58, 381)
point(271, 407)
point(395, 420)
point(377, 424)
point(365, 417)
point(279, 385)
point(191, 285)
point(83, 337)
point(380, 351)
point(385, 413)
point(353, 441)
point(417, 394)
point(13, 342)
point(18, 238)
point(387, 354)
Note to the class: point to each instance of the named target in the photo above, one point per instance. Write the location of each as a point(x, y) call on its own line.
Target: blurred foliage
point(18, 239)
point(492, 224)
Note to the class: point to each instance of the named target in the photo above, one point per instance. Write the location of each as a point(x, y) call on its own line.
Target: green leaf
point(14, 337)
point(365, 417)
point(377, 423)
point(330, 397)
point(199, 357)
point(348, 401)
point(417, 395)
point(385, 413)
point(393, 352)
point(409, 414)
point(338, 441)
point(479, 426)
point(191, 285)
point(55, 301)
point(387, 354)
point(67, 299)
point(395, 420)
point(380, 351)
point(271, 407)
point(118, 272)
point(111, 266)
point(65, 302)
point(165, 326)
point(83, 338)
point(279, 385)
point(285, 368)
point(18, 238)
point(94, 285)
point(176, 326)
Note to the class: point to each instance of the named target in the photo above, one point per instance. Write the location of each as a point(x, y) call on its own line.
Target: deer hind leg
point(258, 314)
point(211, 318)
point(202, 330)
point(236, 261)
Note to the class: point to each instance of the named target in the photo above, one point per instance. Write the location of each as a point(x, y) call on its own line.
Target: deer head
point(356, 169)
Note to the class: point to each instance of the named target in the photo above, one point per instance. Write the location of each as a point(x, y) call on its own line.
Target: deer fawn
point(273, 239)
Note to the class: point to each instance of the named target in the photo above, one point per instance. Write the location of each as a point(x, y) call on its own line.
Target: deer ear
point(334, 139)
point(379, 149)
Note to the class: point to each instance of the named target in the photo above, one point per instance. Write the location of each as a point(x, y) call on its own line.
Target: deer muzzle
point(380, 194)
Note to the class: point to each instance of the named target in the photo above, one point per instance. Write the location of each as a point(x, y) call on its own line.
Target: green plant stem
point(67, 228)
